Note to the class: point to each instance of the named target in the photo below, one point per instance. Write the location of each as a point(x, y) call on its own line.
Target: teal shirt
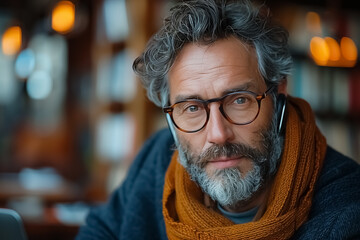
point(241, 217)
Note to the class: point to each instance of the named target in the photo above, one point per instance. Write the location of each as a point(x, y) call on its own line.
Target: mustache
point(230, 150)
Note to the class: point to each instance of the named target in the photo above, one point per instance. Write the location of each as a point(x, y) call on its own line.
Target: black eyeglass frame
point(169, 109)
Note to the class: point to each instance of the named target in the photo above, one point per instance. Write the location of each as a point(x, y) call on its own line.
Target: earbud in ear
point(280, 112)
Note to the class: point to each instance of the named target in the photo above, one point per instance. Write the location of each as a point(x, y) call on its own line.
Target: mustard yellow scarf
point(289, 201)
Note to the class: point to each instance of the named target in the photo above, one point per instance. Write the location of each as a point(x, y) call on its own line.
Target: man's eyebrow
point(186, 97)
point(242, 87)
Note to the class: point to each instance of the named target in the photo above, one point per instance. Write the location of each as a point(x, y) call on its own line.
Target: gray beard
point(229, 186)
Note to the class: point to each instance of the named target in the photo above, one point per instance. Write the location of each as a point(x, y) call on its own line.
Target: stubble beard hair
point(229, 186)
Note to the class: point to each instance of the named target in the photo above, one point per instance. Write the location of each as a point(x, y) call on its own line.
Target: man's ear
point(282, 87)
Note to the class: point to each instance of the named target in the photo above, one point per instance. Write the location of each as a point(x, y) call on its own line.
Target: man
point(250, 162)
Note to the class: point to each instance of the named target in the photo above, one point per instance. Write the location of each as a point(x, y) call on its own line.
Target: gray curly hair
point(205, 21)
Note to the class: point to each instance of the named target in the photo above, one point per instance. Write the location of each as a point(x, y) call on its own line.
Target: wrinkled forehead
point(228, 51)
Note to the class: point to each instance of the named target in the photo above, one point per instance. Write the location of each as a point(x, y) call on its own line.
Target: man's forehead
point(226, 52)
point(227, 56)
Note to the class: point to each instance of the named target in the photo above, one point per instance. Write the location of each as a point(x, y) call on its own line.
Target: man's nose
point(219, 130)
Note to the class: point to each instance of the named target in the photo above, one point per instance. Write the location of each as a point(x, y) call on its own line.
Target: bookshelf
point(333, 95)
point(332, 91)
point(122, 117)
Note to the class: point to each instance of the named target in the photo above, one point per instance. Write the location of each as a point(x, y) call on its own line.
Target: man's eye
point(240, 100)
point(192, 108)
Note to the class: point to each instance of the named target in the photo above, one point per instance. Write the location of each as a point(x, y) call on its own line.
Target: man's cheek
point(186, 146)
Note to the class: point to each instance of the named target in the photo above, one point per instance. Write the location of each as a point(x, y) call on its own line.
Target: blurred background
point(73, 115)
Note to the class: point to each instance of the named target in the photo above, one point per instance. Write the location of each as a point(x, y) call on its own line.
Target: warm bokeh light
point(11, 40)
point(348, 49)
point(63, 17)
point(334, 49)
point(319, 50)
point(327, 52)
point(313, 22)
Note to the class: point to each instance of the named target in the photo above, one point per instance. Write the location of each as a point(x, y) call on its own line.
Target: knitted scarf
point(289, 200)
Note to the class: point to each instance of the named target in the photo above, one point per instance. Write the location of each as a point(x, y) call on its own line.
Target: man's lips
point(224, 162)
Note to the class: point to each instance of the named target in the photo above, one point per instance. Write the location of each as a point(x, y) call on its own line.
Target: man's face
point(223, 155)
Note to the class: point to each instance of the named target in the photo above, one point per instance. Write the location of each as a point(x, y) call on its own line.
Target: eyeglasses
point(239, 108)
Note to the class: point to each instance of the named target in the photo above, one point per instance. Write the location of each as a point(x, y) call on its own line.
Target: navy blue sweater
point(134, 210)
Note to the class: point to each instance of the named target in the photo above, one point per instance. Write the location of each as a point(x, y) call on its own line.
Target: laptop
point(11, 225)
